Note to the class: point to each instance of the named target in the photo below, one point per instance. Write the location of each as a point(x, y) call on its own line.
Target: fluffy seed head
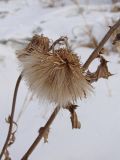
point(55, 76)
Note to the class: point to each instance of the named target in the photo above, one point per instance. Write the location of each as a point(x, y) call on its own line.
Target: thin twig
point(11, 116)
point(61, 39)
point(41, 133)
point(95, 53)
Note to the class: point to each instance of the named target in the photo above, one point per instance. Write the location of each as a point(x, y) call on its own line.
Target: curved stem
point(61, 39)
point(11, 116)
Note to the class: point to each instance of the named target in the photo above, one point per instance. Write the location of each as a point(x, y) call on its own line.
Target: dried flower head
point(56, 76)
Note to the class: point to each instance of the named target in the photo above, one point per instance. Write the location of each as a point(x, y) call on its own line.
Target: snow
point(99, 114)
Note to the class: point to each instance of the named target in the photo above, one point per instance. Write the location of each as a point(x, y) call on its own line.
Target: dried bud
point(55, 76)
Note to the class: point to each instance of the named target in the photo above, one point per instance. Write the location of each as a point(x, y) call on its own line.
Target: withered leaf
point(45, 135)
point(101, 72)
point(74, 118)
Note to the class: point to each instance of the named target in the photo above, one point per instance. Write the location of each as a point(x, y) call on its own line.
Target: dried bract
point(101, 72)
point(74, 118)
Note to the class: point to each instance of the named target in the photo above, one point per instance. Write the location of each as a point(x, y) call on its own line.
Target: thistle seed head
point(55, 76)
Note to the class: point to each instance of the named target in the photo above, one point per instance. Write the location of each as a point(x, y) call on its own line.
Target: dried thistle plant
point(44, 66)
point(54, 75)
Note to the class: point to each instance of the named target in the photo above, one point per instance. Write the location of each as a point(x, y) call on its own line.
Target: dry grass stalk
point(92, 43)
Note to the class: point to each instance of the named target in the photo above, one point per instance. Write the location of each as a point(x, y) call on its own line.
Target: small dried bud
point(55, 76)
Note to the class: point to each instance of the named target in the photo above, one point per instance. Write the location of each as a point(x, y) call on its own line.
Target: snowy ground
point(98, 139)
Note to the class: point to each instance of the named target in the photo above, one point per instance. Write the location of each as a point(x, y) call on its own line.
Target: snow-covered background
point(99, 136)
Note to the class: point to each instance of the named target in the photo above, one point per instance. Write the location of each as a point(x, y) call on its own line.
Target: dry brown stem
point(41, 133)
point(11, 117)
point(61, 39)
point(96, 52)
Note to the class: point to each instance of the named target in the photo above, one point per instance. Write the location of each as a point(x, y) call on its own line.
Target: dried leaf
point(45, 135)
point(74, 119)
point(101, 72)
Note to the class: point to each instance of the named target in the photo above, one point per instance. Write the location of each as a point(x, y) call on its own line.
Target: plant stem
point(95, 53)
point(61, 39)
point(41, 133)
point(11, 117)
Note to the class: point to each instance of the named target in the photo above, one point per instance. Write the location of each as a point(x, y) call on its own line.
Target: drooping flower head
point(56, 76)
